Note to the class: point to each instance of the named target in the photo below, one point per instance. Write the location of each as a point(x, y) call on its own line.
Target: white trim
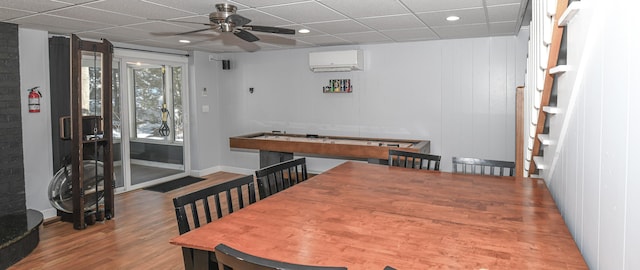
point(49, 213)
point(158, 164)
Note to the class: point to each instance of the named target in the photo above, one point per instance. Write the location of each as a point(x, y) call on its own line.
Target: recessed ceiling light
point(303, 31)
point(453, 18)
point(184, 41)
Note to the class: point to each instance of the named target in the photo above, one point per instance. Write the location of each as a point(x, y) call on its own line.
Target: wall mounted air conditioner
point(336, 61)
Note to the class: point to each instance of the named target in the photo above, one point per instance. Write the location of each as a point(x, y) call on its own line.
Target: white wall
point(205, 145)
point(594, 174)
point(459, 94)
point(36, 127)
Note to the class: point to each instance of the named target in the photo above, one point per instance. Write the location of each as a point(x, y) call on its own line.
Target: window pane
point(91, 83)
point(178, 125)
point(117, 128)
point(148, 94)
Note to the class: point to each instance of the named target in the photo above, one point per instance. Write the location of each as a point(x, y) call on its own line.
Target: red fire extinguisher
point(34, 100)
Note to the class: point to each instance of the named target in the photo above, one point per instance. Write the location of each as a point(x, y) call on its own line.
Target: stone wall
point(12, 188)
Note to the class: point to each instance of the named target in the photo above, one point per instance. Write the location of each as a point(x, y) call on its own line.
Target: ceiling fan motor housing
point(219, 17)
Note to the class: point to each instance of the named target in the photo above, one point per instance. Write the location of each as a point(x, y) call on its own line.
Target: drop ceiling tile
point(411, 34)
point(34, 6)
point(162, 27)
point(467, 16)
point(462, 31)
point(504, 2)
point(439, 5)
point(75, 2)
point(260, 18)
point(314, 31)
point(126, 33)
point(264, 3)
point(365, 37)
point(97, 15)
point(339, 27)
point(9, 14)
point(324, 40)
point(195, 6)
point(372, 8)
point(60, 22)
point(503, 13)
point(102, 35)
point(196, 21)
point(503, 28)
point(140, 9)
point(304, 12)
point(392, 22)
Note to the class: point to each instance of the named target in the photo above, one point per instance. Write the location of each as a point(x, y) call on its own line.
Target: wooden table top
point(367, 216)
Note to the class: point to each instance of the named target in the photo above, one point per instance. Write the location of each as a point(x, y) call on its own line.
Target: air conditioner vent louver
point(333, 61)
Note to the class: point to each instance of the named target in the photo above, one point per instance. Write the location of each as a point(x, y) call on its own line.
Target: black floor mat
point(173, 184)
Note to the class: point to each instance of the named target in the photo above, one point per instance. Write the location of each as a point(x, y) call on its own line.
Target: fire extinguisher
point(34, 100)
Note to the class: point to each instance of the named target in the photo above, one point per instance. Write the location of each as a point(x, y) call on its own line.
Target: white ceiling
point(332, 22)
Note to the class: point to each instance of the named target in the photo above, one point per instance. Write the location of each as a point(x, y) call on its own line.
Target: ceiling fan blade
point(270, 29)
point(246, 36)
point(237, 20)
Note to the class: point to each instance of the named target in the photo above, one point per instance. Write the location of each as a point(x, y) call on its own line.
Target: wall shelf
point(559, 69)
point(551, 110)
point(569, 13)
point(545, 139)
point(539, 162)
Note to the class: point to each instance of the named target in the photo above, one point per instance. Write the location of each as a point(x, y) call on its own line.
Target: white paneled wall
point(594, 168)
point(460, 94)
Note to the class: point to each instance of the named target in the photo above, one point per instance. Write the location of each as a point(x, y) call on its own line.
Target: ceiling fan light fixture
point(453, 18)
point(304, 31)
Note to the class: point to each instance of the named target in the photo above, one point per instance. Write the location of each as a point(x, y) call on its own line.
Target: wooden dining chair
point(238, 260)
point(280, 176)
point(414, 160)
point(483, 166)
point(206, 203)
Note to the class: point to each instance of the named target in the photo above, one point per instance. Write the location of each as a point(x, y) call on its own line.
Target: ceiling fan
point(226, 20)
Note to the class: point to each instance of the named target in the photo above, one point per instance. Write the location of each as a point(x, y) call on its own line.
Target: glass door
point(149, 126)
point(156, 148)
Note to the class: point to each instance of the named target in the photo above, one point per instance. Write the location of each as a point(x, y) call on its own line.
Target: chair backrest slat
point(204, 195)
point(414, 160)
point(229, 257)
point(483, 166)
point(280, 176)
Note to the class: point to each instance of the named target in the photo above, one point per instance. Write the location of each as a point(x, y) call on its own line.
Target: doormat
point(173, 184)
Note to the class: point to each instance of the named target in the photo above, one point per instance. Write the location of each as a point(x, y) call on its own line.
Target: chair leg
point(187, 255)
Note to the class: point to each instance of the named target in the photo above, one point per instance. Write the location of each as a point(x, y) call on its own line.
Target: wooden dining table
point(368, 216)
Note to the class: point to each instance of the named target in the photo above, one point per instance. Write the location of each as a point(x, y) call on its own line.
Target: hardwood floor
point(136, 238)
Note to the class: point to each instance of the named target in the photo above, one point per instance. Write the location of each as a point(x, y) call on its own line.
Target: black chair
point(238, 260)
point(199, 204)
point(483, 166)
point(414, 160)
point(280, 176)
